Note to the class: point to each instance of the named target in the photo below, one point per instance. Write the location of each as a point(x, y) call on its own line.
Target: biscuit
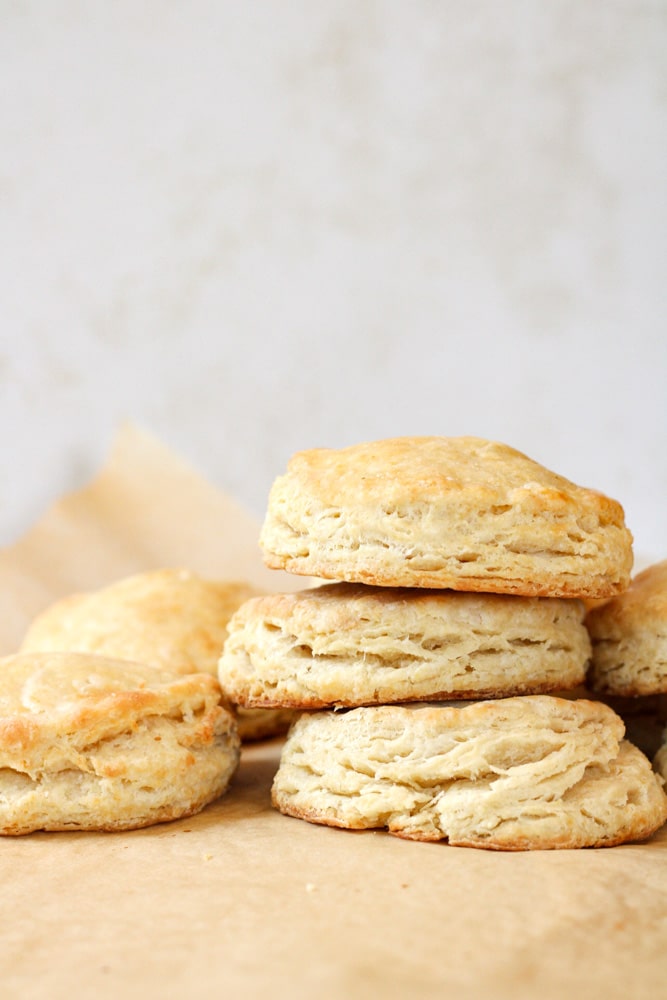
point(349, 644)
point(460, 513)
point(629, 636)
point(517, 774)
point(168, 618)
point(92, 743)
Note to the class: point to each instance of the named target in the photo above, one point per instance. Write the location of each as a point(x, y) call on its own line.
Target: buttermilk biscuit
point(92, 743)
point(350, 644)
point(460, 513)
point(629, 635)
point(168, 618)
point(517, 774)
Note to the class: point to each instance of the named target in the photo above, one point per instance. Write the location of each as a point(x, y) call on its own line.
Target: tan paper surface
point(243, 900)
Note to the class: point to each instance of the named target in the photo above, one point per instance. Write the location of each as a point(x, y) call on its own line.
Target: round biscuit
point(517, 774)
point(461, 513)
point(350, 644)
point(92, 743)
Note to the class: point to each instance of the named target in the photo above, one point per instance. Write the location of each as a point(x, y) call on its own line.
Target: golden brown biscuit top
point(642, 605)
point(170, 618)
point(42, 683)
point(78, 696)
point(420, 470)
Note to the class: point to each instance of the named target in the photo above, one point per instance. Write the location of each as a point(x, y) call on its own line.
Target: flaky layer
point(459, 513)
point(523, 773)
point(629, 636)
point(346, 644)
point(90, 743)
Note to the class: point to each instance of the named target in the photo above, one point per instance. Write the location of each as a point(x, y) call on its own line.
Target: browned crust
point(553, 586)
point(312, 703)
point(640, 833)
point(163, 816)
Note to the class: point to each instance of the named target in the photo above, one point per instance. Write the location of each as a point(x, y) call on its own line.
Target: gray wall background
point(254, 228)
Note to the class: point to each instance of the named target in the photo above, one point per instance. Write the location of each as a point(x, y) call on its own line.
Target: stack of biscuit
point(424, 673)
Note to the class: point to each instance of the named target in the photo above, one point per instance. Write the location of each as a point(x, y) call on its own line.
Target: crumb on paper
point(208, 857)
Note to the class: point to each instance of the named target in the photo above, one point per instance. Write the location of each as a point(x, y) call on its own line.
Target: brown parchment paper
point(243, 901)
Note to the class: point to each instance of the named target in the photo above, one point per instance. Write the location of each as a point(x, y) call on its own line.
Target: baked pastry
point(629, 635)
point(92, 743)
point(168, 618)
point(349, 644)
point(460, 513)
point(515, 774)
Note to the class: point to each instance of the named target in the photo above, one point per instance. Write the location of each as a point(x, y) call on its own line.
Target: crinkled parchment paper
point(243, 901)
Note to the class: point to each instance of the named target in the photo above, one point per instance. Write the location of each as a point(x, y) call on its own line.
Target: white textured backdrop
point(259, 227)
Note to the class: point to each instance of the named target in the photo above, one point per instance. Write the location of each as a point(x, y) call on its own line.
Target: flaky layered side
point(516, 774)
point(629, 636)
point(91, 743)
point(459, 513)
point(347, 644)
